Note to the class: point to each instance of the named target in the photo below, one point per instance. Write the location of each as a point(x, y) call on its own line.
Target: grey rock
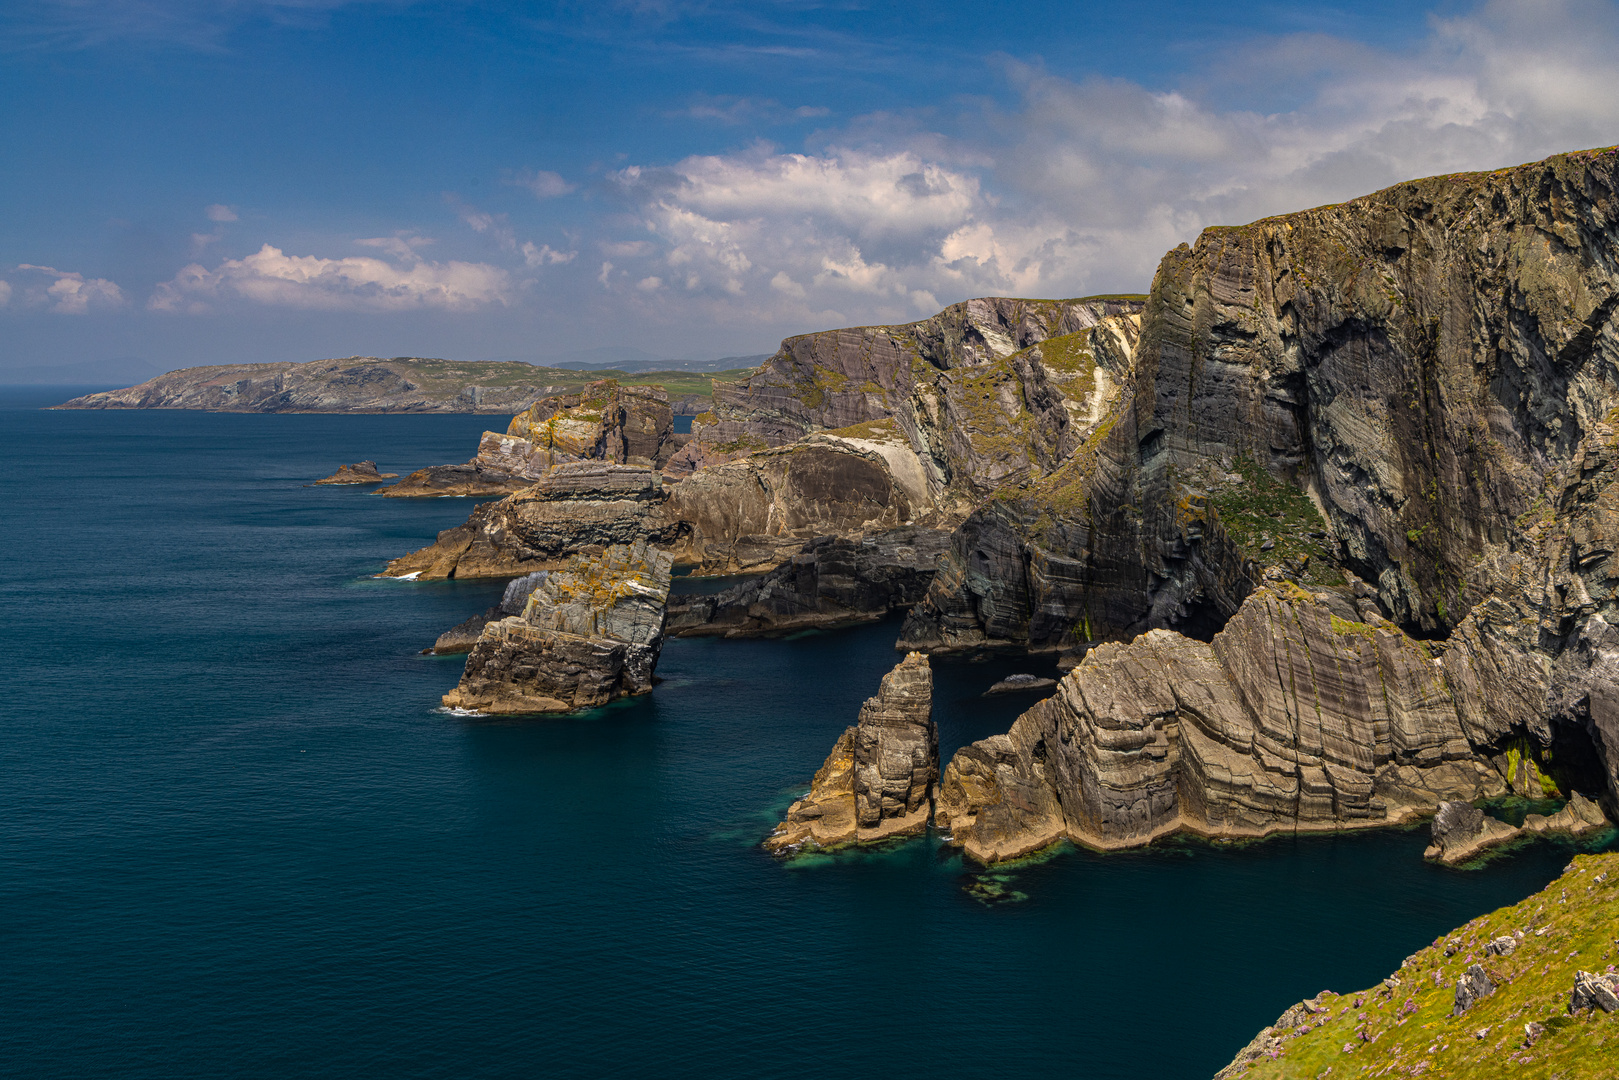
point(1016, 684)
point(879, 781)
point(518, 590)
point(1504, 945)
point(461, 637)
point(1457, 823)
point(589, 634)
point(1473, 985)
point(831, 581)
point(1594, 992)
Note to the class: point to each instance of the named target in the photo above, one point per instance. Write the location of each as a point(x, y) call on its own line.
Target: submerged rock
point(879, 780)
point(363, 472)
point(1015, 684)
point(589, 633)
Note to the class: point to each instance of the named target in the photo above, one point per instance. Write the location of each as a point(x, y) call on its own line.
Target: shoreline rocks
point(589, 633)
point(1020, 684)
point(363, 472)
point(879, 782)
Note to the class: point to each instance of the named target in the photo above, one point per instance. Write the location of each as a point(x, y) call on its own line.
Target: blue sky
point(242, 180)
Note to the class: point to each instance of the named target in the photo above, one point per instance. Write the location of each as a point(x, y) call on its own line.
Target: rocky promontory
point(589, 633)
point(878, 782)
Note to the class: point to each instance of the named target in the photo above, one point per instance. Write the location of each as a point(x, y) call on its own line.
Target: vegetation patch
point(1261, 510)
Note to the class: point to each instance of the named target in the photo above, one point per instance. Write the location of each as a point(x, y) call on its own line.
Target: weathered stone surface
point(589, 633)
point(606, 422)
point(831, 581)
point(1474, 984)
point(1292, 718)
point(1456, 823)
point(364, 472)
point(357, 384)
point(575, 507)
point(879, 781)
point(461, 637)
point(1593, 992)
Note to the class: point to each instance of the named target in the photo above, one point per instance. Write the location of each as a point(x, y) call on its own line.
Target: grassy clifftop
point(1405, 1026)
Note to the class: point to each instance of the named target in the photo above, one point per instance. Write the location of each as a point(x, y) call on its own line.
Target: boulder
point(1594, 992)
point(879, 780)
point(1018, 684)
point(589, 633)
point(1473, 984)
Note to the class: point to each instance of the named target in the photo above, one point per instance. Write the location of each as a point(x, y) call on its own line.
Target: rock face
point(357, 384)
point(1406, 401)
point(741, 517)
point(578, 507)
point(879, 780)
point(831, 581)
point(1292, 718)
point(364, 472)
point(463, 636)
point(606, 422)
point(1473, 985)
point(588, 634)
point(1592, 992)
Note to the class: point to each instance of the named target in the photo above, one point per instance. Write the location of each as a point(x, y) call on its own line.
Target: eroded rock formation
point(878, 782)
point(606, 422)
point(589, 633)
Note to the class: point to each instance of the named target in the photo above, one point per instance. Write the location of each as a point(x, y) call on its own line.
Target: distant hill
point(369, 384)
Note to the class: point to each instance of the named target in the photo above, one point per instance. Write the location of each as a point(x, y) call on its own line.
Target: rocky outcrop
point(1293, 718)
point(1020, 684)
point(831, 581)
point(364, 472)
point(461, 637)
point(589, 633)
point(576, 507)
point(357, 384)
point(1462, 832)
point(620, 425)
point(742, 517)
point(878, 782)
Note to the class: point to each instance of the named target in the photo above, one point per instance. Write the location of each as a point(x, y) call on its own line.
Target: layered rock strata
point(831, 581)
point(461, 637)
point(621, 425)
point(1462, 832)
point(742, 517)
point(589, 634)
point(1292, 719)
point(578, 507)
point(878, 782)
point(364, 472)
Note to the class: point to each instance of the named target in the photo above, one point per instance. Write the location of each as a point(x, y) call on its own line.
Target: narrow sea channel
point(237, 838)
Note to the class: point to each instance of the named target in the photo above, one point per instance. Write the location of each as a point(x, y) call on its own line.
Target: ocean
point(239, 838)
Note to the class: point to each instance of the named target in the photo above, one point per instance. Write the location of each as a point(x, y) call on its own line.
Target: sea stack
point(590, 633)
point(879, 781)
point(361, 472)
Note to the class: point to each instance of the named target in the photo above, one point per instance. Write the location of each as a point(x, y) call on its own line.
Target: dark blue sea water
point(237, 839)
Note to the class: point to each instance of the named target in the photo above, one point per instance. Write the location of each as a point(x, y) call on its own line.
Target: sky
point(231, 181)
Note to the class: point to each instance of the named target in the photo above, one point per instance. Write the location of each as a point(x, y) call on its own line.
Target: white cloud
point(544, 185)
point(5, 293)
point(544, 255)
point(650, 284)
point(70, 293)
point(220, 212)
point(1083, 186)
point(356, 283)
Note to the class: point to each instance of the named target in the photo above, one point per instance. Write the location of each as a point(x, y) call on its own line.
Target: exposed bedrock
point(589, 633)
point(831, 581)
point(741, 517)
point(461, 637)
point(606, 422)
point(879, 780)
point(575, 507)
point(1292, 719)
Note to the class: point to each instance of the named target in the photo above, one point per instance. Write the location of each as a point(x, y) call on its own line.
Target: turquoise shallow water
point(237, 839)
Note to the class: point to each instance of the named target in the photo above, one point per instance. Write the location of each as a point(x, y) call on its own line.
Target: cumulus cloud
point(544, 255)
point(356, 283)
point(1082, 186)
point(69, 293)
point(220, 212)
